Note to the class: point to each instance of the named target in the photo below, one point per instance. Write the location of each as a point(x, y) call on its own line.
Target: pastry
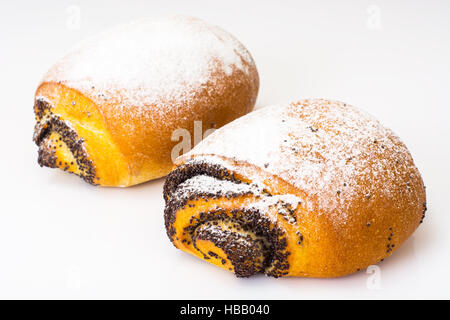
point(108, 109)
point(316, 188)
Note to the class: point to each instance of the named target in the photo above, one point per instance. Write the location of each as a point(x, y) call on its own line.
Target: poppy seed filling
point(48, 123)
point(252, 243)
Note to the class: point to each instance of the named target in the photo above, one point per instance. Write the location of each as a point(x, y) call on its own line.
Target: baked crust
point(341, 190)
point(124, 93)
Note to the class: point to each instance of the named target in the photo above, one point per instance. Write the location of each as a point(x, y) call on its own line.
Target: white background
point(62, 238)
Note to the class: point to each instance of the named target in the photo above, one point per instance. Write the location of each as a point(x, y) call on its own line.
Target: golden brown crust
point(357, 215)
point(137, 117)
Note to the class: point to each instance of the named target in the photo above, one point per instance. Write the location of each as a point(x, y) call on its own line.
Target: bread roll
point(107, 110)
point(316, 188)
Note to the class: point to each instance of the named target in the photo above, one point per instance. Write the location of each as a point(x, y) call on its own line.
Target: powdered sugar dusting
point(281, 202)
point(333, 152)
point(210, 186)
point(203, 184)
point(151, 61)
